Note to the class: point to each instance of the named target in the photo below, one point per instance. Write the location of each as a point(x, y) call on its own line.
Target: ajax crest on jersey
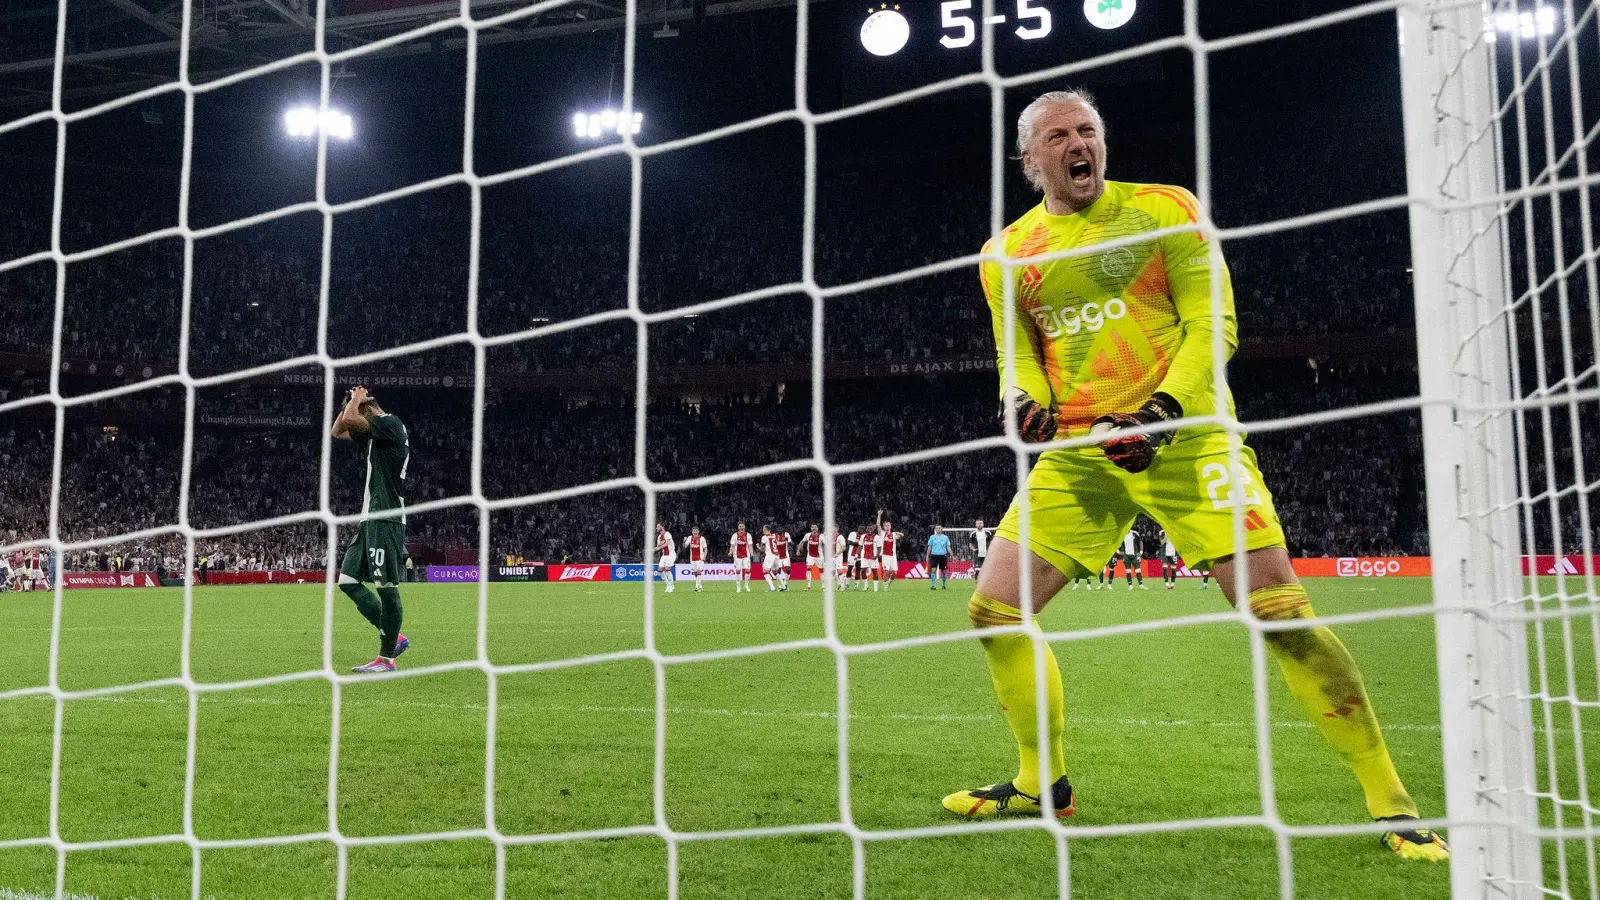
point(1117, 263)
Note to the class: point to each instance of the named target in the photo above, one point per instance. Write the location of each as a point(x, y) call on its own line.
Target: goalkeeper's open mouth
point(1081, 171)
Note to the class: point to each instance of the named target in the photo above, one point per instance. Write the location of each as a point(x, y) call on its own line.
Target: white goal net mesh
point(1504, 226)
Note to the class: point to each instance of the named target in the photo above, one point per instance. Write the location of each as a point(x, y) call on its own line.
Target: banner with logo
point(1570, 564)
point(580, 572)
point(1321, 567)
point(712, 572)
point(1363, 566)
point(252, 420)
point(723, 571)
point(265, 576)
point(1152, 569)
point(452, 573)
point(109, 579)
point(629, 572)
point(958, 568)
point(537, 571)
point(375, 380)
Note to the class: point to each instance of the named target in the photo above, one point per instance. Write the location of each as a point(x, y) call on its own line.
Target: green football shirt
point(388, 454)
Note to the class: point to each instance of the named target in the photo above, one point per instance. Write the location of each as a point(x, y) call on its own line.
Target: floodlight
point(1526, 25)
point(304, 121)
point(593, 126)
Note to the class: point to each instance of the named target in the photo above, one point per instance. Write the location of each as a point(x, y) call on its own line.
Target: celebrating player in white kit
point(699, 549)
point(837, 561)
point(852, 560)
point(741, 547)
point(813, 542)
point(666, 555)
point(36, 580)
point(769, 557)
point(869, 557)
point(888, 558)
point(781, 542)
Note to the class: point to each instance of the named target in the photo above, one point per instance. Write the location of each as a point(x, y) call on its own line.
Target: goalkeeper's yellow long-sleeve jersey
point(1100, 333)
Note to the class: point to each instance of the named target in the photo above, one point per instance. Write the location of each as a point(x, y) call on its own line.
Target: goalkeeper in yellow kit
point(1122, 339)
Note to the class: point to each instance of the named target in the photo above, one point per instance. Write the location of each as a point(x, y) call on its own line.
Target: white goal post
point(1472, 168)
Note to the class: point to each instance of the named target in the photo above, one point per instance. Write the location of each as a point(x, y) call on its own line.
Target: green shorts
point(1080, 505)
point(376, 553)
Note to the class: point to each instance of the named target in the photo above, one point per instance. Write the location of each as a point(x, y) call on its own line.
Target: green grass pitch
point(1159, 728)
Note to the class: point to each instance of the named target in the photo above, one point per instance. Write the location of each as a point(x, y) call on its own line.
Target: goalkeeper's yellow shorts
point(1080, 505)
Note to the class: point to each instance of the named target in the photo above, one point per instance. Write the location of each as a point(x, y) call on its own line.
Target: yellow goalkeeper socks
point(1323, 677)
point(1011, 667)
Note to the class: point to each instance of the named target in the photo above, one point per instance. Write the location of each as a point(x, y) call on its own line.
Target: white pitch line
point(1072, 721)
point(9, 894)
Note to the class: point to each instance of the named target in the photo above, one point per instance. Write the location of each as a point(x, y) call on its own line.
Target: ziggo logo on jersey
point(1072, 319)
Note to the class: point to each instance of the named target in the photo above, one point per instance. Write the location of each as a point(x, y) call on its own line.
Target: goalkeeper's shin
point(1323, 677)
point(1011, 659)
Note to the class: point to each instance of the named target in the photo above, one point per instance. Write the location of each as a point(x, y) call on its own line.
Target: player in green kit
point(380, 545)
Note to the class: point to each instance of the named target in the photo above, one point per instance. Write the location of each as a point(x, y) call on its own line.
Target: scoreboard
point(888, 28)
point(896, 45)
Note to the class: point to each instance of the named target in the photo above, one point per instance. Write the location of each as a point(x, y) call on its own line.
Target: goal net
point(1501, 203)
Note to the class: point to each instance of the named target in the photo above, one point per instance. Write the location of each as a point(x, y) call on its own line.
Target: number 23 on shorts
point(1226, 492)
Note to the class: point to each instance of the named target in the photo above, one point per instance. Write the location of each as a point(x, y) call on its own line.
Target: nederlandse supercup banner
point(109, 579)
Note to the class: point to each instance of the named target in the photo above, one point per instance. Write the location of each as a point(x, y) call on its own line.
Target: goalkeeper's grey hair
point(1025, 124)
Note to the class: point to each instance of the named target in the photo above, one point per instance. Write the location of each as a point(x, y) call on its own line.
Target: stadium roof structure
point(116, 47)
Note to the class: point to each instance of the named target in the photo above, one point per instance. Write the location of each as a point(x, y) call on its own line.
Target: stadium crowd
point(118, 482)
point(256, 292)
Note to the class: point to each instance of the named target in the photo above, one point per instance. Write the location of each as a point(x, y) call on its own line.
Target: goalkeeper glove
point(1135, 452)
point(1036, 423)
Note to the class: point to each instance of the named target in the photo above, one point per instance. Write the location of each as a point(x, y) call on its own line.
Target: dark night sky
point(724, 69)
point(1297, 95)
